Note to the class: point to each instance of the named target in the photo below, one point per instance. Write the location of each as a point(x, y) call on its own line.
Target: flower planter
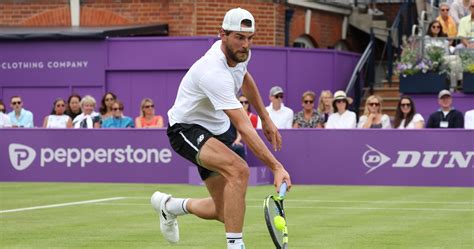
point(468, 82)
point(430, 82)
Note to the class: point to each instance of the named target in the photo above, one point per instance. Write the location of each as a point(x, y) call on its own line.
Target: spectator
point(325, 104)
point(341, 118)
point(281, 115)
point(4, 119)
point(446, 116)
point(459, 9)
point(58, 119)
point(373, 117)
point(433, 37)
point(447, 22)
point(469, 119)
point(20, 117)
point(246, 105)
point(88, 118)
point(147, 118)
point(466, 29)
point(73, 108)
point(117, 120)
point(308, 117)
point(106, 105)
point(373, 9)
point(406, 116)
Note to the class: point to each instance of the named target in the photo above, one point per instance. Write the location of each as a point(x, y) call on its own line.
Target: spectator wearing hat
point(342, 118)
point(4, 119)
point(469, 119)
point(281, 115)
point(373, 117)
point(20, 117)
point(446, 116)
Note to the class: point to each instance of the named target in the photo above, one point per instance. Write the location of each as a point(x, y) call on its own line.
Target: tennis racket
point(275, 218)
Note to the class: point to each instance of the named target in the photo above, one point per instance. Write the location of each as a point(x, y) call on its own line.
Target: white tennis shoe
point(168, 222)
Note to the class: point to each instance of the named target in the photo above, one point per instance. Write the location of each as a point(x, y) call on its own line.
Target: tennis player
point(200, 130)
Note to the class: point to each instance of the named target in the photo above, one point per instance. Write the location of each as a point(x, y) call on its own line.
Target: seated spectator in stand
point(447, 22)
point(469, 119)
point(308, 117)
point(325, 105)
point(88, 118)
point(434, 37)
point(446, 116)
point(458, 10)
point(281, 115)
point(20, 117)
point(406, 116)
point(117, 120)
point(58, 119)
point(73, 108)
point(342, 118)
point(373, 117)
point(147, 118)
point(246, 105)
point(466, 29)
point(106, 105)
point(4, 119)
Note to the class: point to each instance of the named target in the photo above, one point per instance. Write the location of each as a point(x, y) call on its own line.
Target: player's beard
point(238, 56)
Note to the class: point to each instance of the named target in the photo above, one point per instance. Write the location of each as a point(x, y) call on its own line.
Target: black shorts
point(187, 140)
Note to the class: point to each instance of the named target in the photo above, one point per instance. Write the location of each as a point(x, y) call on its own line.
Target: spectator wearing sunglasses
point(308, 117)
point(58, 118)
point(342, 118)
point(246, 105)
point(373, 117)
point(118, 120)
point(4, 119)
point(447, 22)
point(106, 105)
point(281, 115)
point(435, 37)
point(20, 117)
point(147, 118)
point(406, 116)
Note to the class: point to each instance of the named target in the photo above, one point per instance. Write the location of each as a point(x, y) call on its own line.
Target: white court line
point(347, 201)
point(61, 205)
point(346, 208)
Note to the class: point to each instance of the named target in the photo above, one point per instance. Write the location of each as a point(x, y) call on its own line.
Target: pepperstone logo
point(21, 156)
point(373, 159)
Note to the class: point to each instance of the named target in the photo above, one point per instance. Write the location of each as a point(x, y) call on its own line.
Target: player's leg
point(210, 208)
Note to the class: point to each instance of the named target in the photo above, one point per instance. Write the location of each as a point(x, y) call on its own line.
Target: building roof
point(68, 33)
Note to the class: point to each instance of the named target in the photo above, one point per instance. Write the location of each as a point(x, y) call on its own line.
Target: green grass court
point(318, 217)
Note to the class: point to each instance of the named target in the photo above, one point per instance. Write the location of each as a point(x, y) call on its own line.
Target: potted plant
point(421, 73)
point(467, 59)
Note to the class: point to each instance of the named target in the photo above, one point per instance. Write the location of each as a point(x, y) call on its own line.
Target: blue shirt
point(25, 119)
point(123, 122)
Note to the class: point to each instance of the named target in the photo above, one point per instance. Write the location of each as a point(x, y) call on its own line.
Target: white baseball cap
point(233, 20)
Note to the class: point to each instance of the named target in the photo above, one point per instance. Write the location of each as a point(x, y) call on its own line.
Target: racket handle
point(283, 188)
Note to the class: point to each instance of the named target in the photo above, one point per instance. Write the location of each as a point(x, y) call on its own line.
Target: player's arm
point(243, 125)
point(250, 90)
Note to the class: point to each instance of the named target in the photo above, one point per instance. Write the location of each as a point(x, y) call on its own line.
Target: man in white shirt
point(200, 130)
point(281, 115)
point(469, 119)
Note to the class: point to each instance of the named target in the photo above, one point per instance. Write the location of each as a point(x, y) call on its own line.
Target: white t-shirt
point(283, 118)
point(385, 121)
point(411, 125)
point(469, 120)
point(5, 120)
point(55, 121)
point(345, 121)
point(209, 87)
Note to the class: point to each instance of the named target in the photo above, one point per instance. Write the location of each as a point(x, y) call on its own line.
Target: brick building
point(279, 23)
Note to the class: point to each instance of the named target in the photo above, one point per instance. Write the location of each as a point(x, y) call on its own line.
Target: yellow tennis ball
point(279, 222)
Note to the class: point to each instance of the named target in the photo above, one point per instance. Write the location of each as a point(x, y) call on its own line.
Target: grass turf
point(318, 217)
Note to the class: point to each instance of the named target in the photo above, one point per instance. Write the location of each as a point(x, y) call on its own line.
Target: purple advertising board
point(432, 157)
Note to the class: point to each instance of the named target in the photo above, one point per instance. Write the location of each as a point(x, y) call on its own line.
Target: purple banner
point(343, 157)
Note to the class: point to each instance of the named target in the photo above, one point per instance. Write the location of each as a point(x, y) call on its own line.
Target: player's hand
point(272, 134)
point(281, 175)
